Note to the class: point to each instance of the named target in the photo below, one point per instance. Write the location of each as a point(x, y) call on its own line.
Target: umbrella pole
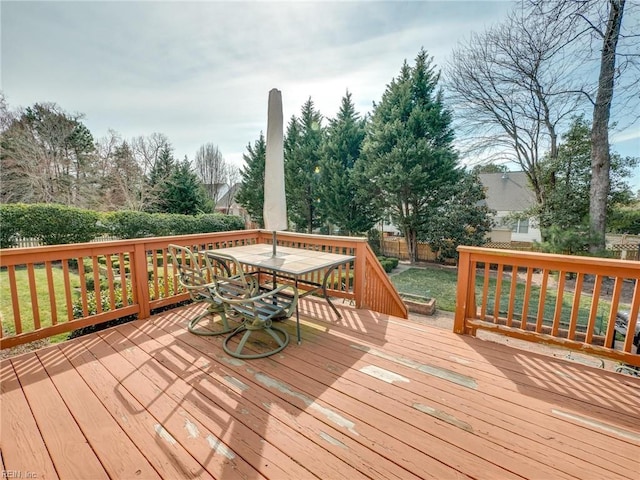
point(274, 243)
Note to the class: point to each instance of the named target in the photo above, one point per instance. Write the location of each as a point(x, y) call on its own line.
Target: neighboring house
point(509, 193)
point(215, 190)
point(228, 205)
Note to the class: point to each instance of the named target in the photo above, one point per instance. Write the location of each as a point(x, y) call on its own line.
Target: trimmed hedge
point(129, 224)
point(51, 224)
point(57, 224)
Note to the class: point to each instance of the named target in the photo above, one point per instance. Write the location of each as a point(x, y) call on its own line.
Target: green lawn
point(24, 299)
point(431, 283)
point(441, 283)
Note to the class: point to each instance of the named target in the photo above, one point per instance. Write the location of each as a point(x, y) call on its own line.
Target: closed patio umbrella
point(275, 202)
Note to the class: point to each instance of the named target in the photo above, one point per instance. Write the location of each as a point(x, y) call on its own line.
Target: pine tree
point(408, 154)
point(184, 192)
point(251, 192)
point(302, 152)
point(342, 205)
point(463, 217)
point(159, 175)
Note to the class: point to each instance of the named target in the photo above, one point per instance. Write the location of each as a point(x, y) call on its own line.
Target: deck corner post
point(360, 272)
point(462, 292)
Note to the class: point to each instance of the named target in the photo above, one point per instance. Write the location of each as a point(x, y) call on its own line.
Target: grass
point(435, 283)
point(441, 283)
point(42, 292)
point(24, 299)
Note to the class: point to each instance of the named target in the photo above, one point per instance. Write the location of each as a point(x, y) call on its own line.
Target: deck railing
point(58, 289)
point(564, 300)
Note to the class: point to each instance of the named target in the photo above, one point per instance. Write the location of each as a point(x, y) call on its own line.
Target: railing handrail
point(473, 312)
point(579, 261)
point(137, 271)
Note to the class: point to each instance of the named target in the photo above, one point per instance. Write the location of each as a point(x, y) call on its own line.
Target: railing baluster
point(497, 294)
point(525, 304)
point(96, 284)
point(512, 294)
point(67, 289)
point(17, 321)
point(593, 311)
point(51, 292)
point(575, 307)
point(35, 308)
point(542, 300)
point(557, 313)
point(110, 282)
point(485, 291)
point(633, 317)
point(613, 311)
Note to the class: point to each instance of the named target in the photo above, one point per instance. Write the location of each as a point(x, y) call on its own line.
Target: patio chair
point(259, 308)
point(198, 282)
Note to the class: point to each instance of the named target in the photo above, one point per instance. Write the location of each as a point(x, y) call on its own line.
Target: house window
point(520, 226)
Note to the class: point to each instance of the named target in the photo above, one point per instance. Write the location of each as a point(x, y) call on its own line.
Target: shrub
point(388, 263)
point(11, 220)
point(128, 224)
point(50, 224)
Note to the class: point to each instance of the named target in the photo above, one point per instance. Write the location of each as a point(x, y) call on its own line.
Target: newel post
point(462, 295)
point(360, 271)
point(140, 279)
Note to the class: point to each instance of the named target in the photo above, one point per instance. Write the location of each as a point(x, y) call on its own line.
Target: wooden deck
point(370, 396)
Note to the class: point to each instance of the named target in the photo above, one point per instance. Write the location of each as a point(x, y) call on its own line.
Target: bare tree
point(122, 177)
point(48, 155)
point(211, 168)
point(567, 59)
point(232, 179)
point(147, 152)
point(610, 48)
point(513, 91)
point(600, 155)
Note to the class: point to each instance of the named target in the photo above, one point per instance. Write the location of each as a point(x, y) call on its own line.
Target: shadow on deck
point(368, 396)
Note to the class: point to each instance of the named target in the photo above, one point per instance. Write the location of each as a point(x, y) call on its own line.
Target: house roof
point(229, 198)
point(508, 191)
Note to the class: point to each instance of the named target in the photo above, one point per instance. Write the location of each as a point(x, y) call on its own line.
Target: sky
point(201, 71)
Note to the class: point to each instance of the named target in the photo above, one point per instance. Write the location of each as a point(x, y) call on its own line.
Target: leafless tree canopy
point(513, 91)
point(516, 86)
point(47, 155)
point(211, 168)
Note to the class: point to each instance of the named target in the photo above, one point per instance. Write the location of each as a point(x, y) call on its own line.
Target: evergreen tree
point(463, 217)
point(566, 179)
point(184, 192)
point(342, 204)
point(159, 175)
point(251, 192)
point(302, 152)
point(408, 156)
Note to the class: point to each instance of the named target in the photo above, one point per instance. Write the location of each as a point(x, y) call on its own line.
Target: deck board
point(368, 396)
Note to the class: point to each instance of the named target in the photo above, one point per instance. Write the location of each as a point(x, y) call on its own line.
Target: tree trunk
point(600, 158)
point(412, 244)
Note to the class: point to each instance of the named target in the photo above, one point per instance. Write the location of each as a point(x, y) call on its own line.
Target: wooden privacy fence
point(570, 301)
point(397, 247)
point(57, 289)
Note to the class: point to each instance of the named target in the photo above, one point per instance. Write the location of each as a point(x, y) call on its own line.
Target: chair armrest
point(257, 298)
